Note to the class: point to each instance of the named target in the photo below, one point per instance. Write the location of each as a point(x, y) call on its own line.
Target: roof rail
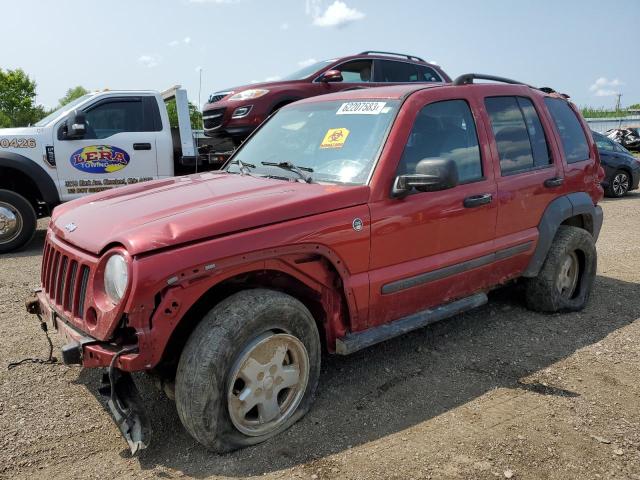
point(468, 78)
point(409, 57)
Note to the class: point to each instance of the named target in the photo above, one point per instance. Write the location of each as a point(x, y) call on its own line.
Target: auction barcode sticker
point(361, 108)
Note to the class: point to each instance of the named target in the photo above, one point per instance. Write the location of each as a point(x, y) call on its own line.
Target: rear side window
point(603, 142)
point(403, 72)
point(519, 135)
point(444, 130)
point(571, 133)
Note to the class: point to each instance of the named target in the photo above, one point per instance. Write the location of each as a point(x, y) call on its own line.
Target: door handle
point(142, 146)
point(553, 182)
point(477, 200)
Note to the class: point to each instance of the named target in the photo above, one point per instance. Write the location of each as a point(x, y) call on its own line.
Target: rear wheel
point(564, 283)
point(249, 370)
point(18, 221)
point(619, 184)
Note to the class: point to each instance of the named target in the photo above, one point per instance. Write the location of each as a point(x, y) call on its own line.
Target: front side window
point(332, 142)
point(358, 71)
point(519, 135)
point(111, 117)
point(574, 142)
point(444, 130)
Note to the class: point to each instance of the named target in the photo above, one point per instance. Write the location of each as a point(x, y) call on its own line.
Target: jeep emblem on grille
point(70, 227)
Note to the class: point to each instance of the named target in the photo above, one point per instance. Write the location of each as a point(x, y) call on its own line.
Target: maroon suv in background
point(235, 112)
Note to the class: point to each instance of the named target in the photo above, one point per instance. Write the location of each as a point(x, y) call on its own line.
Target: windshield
point(335, 142)
point(58, 112)
point(308, 70)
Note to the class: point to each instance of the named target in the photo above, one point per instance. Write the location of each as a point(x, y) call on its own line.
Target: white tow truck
point(101, 140)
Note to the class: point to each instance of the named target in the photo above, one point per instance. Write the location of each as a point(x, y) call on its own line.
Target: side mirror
point(432, 175)
point(332, 76)
point(75, 126)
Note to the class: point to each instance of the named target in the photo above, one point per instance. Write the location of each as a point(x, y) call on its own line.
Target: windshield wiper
point(292, 168)
point(244, 167)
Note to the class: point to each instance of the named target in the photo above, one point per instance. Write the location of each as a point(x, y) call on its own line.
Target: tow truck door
point(118, 148)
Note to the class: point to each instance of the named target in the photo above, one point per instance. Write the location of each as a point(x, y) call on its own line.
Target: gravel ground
point(499, 392)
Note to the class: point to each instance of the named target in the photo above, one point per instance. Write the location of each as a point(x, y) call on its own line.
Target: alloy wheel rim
point(10, 222)
point(267, 383)
point(568, 277)
point(620, 184)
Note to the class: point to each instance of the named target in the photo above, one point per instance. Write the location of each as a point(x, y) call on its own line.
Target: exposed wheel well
point(581, 221)
point(17, 181)
point(270, 279)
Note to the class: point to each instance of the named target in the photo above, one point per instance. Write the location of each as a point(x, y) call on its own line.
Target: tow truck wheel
point(249, 370)
point(17, 221)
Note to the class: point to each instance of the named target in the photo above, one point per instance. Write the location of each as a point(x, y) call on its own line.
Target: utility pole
point(618, 102)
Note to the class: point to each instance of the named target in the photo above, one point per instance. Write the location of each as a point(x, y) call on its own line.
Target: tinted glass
point(338, 140)
point(572, 136)
point(391, 71)
point(603, 142)
point(445, 130)
point(357, 71)
point(510, 132)
point(427, 74)
point(60, 111)
point(537, 136)
point(114, 117)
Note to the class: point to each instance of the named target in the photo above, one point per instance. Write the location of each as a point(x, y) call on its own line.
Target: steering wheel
point(337, 167)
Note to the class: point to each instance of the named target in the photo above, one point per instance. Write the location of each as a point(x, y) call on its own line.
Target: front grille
point(217, 97)
point(64, 280)
point(213, 118)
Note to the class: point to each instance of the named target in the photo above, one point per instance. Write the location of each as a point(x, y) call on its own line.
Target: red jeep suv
point(345, 220)
point(234, 113)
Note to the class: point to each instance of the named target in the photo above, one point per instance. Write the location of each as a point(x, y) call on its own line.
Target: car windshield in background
point(335, 142)
point(308, 70)
point(65, 108)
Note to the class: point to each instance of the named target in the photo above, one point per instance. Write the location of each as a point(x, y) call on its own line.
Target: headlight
point(249, 94)
point(116, 277)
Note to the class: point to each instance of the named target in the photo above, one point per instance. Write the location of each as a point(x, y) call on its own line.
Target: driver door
point(428, 248)
point(118, 148)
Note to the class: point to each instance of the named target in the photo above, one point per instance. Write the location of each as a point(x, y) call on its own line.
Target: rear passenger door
point(528, 172)
point(431, 247)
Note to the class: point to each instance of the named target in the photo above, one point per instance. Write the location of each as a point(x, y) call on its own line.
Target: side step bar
point(352, 342)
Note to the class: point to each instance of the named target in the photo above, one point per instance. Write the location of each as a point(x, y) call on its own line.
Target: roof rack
point(409, 57)
point(468, 78)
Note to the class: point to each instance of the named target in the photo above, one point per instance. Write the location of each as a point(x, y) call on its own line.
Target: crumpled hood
point(170, 212)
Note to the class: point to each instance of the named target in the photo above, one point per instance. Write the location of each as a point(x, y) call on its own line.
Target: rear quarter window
point(574, 141)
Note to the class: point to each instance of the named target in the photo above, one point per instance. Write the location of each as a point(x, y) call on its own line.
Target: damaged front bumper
point(124, 400)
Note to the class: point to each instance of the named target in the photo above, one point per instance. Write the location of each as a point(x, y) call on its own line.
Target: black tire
point(24, 219)
point(214, 347)
point(543, 293)
point(618, 185)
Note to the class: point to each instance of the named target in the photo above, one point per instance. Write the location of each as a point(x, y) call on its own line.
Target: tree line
point(18, 106)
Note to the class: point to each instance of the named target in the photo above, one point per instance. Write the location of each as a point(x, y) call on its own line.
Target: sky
point(587, 49)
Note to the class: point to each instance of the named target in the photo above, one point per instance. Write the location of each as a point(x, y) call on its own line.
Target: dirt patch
point(499, 392)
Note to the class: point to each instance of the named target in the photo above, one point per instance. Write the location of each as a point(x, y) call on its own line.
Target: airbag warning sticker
point(361, 108)
point(335, 138)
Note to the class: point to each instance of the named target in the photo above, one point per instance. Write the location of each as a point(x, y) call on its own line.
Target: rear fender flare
point(556, 213)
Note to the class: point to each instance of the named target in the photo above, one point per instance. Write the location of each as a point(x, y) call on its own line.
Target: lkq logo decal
point(357, 224)
point(99, 159)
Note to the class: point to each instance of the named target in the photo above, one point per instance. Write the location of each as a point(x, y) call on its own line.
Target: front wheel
point(18, 221)
point(249, 370)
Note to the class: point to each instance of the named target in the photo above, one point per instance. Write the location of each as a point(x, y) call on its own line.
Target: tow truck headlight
point(116, 277)
point(249, 94)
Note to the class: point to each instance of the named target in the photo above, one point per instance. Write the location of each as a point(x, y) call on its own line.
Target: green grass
point(589, 112)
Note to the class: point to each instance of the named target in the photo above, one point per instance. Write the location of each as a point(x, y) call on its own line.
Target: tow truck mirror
point(75, 126)
point(431, 175)
point(332, 76)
